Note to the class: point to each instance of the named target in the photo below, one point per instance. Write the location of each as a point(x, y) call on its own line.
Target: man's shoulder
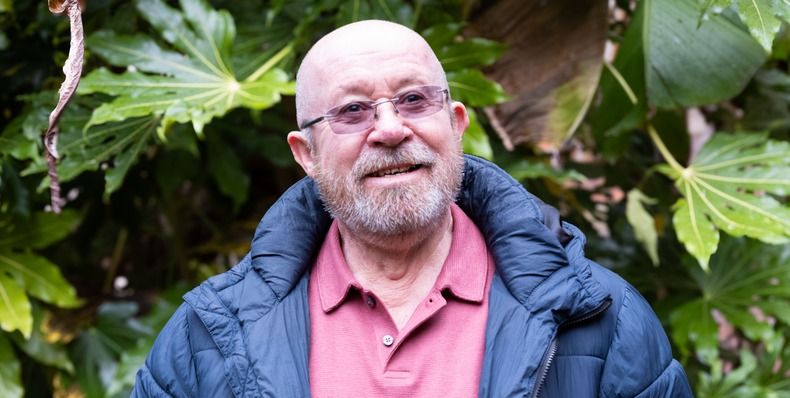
point(239, 293)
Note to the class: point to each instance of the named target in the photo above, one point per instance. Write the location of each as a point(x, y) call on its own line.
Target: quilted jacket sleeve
point(639, 362)
point(169, 369)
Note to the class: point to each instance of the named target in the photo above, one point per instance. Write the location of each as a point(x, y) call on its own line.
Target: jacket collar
point(526, 252)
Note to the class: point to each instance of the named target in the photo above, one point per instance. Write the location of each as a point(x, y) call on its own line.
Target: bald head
point(331, 61)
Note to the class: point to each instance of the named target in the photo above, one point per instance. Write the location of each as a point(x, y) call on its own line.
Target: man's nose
point(388, 127)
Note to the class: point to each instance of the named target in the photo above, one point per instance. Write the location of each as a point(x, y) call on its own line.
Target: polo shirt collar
point(464, 273)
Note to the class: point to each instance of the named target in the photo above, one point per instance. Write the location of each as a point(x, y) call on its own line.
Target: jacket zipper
point(552, 352)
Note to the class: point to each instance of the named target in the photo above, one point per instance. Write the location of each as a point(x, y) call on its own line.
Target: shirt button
point(371, 301)
point(387, 340)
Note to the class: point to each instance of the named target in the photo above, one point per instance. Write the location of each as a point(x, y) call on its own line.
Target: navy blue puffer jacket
point(559, 325)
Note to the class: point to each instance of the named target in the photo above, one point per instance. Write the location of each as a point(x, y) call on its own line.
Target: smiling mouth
point(395, 171)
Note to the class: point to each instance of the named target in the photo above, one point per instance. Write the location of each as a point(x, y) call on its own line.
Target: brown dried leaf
point(72, 68)
point(551, 68)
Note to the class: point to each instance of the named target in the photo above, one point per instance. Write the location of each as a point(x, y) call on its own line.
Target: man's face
point(400, 174)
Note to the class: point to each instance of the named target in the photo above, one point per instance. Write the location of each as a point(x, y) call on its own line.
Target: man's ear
point(300, 148)
point(461, 118)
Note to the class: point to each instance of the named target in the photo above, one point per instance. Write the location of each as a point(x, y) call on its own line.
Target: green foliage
point(36, 346)
point(755, 377)
point(96, 350)
point(744, 277)
point(730, 186)
point(460, 59)
point(687, 64)
point(10, 382)
point(194, 82)
point(642, 222)
point(175, 146)
point(23, 271)
point(762, 17)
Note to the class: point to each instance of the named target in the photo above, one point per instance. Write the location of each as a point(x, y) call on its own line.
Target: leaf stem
point(664, 151)
point(623, 83)
point(270, 63)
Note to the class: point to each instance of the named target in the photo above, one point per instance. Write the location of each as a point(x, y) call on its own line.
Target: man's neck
point(402, 269)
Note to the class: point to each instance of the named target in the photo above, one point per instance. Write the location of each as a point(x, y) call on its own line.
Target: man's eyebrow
point(408, 81)
point(355, 88)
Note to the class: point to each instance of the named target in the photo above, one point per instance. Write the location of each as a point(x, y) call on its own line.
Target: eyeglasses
point(357, 116)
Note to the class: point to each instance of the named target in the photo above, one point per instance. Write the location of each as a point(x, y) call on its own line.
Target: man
point(402, 292)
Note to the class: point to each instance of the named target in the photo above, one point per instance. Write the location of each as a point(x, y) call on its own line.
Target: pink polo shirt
point(357, 351)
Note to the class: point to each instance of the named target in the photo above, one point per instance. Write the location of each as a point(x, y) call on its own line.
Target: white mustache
point(376, 159)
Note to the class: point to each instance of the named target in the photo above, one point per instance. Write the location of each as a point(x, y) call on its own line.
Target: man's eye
point(352, 108)
point(412, 98)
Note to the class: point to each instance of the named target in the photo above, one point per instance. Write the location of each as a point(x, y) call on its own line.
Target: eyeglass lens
point(412, 104)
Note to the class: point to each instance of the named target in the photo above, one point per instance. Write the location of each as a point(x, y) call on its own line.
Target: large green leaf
point(10, 375)
point(40, 278)
point(460, 58)
point(38, 348)
point(743, 275)
point(14, 306)
point(36, 232)
point(473, 88)
point(470, 53)
point(112, 147)
point(688, 64)
point(192, 82)
point(762, 17)
point(623, 101)
point(733, 186)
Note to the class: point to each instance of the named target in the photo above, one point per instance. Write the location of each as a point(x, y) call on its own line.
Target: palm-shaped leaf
point(736, 184)
point(747, 283)
point(192, 81)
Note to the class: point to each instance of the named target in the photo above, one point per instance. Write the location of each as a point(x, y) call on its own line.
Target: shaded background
point(658, 127)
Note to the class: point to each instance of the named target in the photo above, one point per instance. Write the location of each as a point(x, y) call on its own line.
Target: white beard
point(399, 210)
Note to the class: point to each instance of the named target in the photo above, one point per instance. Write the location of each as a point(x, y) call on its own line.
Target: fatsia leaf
point(112, 147)
point(642, 222)
point(97, 350)
point(132, 359)
point(688, 64)
point(36, 232)
point(743, 274)
point(191, 83)
point(736, 184)
point(759, 16)
point(10, 374)
point(40, 278)
point(14, 306)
